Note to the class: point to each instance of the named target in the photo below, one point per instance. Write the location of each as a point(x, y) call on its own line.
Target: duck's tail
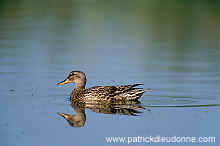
point(137, 94)
point(133, 95)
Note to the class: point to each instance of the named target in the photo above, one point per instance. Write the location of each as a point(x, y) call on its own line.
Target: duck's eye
point(70, 75)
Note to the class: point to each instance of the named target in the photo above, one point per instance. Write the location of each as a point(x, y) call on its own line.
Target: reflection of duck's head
point(77, 77)
point(77, 120)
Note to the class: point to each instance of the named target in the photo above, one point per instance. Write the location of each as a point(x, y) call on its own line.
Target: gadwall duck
point(104, 93)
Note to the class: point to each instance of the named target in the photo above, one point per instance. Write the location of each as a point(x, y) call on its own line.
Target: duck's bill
point(64, 115)
point(64, 82)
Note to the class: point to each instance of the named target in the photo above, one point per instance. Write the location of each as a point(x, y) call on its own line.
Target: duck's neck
point(80, 86)
point(77, 91)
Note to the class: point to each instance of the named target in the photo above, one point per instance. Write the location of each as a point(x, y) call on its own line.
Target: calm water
point(172, 48)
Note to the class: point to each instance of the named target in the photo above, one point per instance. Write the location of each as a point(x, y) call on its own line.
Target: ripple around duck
point(179, 101)
point(207, 105)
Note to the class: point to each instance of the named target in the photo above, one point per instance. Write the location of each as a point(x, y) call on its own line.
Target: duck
point(101, 93)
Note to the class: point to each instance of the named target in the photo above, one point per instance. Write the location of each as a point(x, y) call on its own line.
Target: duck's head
point(77, 77)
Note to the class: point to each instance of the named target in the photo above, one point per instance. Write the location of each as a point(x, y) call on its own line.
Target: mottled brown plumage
point(109, 93)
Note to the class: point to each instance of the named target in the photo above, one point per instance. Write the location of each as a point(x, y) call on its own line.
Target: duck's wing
point(125, 88)
point(101, 91)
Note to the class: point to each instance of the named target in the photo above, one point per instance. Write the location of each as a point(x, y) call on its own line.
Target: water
point(172, 48)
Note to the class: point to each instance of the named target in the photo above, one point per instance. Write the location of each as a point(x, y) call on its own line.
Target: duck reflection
point(121, 108)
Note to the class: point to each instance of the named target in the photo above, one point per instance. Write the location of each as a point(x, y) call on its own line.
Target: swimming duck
point(104, 93)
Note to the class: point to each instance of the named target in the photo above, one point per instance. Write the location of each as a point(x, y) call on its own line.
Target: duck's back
point(122, 92)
